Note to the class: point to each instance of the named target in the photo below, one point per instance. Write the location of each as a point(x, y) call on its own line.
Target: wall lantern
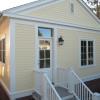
point(60, 40)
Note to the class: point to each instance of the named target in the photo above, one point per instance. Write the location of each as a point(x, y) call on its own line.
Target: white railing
point(61, 77)
point(80, 90)
point(50, 92)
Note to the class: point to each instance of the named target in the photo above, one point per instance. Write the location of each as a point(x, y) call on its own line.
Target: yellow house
point(49, 43)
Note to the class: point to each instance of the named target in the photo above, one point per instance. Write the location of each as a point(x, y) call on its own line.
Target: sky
point(6, 4)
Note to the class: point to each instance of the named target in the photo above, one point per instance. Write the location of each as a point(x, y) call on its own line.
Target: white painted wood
point(39, 4)
point(94, 51)
point(12, 56)
point(52, 93)
point(52, 22)
point(80, 86)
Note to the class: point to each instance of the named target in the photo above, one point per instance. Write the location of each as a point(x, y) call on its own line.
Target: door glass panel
point(47, 53)
point(41, 54)
point(48, 63)
point(41, 63)
point(44, 55)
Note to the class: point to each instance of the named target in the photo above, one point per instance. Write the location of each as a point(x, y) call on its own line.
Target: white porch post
point(45, 89)
point(71, 81)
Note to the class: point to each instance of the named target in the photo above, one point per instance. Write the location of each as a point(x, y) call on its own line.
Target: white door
point(45, 50)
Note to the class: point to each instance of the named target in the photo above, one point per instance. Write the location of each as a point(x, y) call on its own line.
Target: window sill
point(88, 66)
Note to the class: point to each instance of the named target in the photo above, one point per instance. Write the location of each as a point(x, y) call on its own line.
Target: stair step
point(63, 92)
point(73, 98)
point(67, 97)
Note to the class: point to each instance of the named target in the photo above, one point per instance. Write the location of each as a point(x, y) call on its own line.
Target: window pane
point(90, 52)
point(47, 63)
point(47, 53)
point(3, 50)
point(41, 54)
point(45, 32)
point(41, 63)
point(83, 62)
point(0, 52)
point(83, 53)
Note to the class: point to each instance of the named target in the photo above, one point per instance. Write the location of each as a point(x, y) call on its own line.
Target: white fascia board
point(46, 21)
point(88, 10)
point(40, 3)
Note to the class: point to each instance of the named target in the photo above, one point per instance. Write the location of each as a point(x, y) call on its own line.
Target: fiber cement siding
point(24, 58)
point(61, 12)
point(68, 55)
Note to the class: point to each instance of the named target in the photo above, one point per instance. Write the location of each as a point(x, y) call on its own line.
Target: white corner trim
point(12, 56)
point(91, 77)
point(15, 95)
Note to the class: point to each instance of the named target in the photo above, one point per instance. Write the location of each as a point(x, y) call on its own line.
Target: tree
point(95, 6)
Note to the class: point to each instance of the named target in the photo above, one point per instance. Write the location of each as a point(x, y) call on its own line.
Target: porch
point(65, 85)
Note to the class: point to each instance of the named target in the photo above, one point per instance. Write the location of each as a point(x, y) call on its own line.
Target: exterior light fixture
point(60, 40)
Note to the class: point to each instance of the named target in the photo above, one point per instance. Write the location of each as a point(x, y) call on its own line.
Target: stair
point(64, 93)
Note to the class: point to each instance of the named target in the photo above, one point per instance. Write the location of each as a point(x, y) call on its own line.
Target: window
point(2, 50)
point(44, 32)
point(87, 53)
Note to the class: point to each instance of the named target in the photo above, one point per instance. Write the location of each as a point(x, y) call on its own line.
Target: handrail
point(54, 90)
point(82, 82)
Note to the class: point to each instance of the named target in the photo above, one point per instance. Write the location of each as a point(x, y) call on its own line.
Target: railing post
point(71, 81)
point(96, 96)
point(45, 88)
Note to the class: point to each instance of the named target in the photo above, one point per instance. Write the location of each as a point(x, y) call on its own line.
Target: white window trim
point(94, 53)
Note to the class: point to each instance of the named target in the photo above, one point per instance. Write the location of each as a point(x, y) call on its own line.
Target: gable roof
point(39, 3)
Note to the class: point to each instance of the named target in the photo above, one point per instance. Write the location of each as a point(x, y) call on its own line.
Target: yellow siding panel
point(24, 58)
point(69, 54)
point(61, 12)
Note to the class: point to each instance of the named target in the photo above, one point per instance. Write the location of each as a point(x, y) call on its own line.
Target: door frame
point(54, 46)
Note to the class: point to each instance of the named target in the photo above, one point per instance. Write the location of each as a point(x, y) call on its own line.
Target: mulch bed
point(94, 85)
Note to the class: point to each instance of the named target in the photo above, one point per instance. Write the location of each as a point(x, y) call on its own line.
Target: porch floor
point(94, 85)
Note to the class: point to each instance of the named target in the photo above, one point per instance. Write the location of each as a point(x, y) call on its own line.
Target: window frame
point(41, 37)
point(94, 58)
point(2, 51)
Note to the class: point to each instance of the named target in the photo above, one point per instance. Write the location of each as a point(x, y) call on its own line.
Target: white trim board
point(52, 22)
point(40, 3)
point(91, 77)
point(15, 95)
point(22, 93)
point(25, 22)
